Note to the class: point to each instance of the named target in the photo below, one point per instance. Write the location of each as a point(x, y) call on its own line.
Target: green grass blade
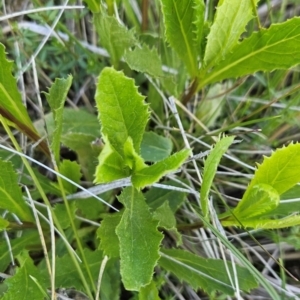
point(210, 168)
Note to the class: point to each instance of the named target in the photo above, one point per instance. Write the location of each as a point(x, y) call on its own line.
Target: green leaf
point(144, 60)
point(61, 214)
point(122, 111)
point(155, 147)
point(111, 281)
point(56, 98)
point(230, 21)
point(261, 223)
point(74, 121)
point(71, 170)
point(10, 98)
point(261, 199)
point(109, 241)
point(29, 238)
point(67, 276)
point(281, 170)
point(183, 22)
point(266, 50)
point(155, 197)
point(149, 292)
point(11, 106)
point(3, 224)
point(276, 175)
point(211, 107)
point(167, 220)
point(82, 144)
point(139, 241)
point(111, 166)
point(10, 193)
point(114, 37)
point(207, 274)
point(165, 216)
point(152, 174)
point(93, 5)
point(21, 286)
point(210, 168)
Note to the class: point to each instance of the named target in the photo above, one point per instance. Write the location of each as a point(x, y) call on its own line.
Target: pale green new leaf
point(184, 22)
point(261, 199)
point(276, 175)
point(155, 147)
point(139, 241)
point(3, 224)
point(114, 37)
point(210, 168)
point(153, 173)
point(144, 60)
point(208, 274)
point(149, 292)
point(122, 111)
point(109, 241)
point(281, 170)
point(56, 98)
point(266, 50)
point(230, 21)
point(10, 193)
point(111, 166)
point(262, 223)
point(21, 286)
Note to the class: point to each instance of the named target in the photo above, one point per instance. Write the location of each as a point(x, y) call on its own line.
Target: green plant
point(131, 245)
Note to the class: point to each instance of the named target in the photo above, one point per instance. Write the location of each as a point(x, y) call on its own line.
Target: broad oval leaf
point(122, 111)
point(266, 50)
point(139, 241)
